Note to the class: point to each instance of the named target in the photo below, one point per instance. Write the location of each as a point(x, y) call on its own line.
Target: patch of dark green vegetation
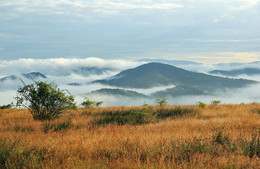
point(141, 116)
point(58, 126)
point(255, 111)
point(6, 106)
point(18, 128)
point(176, 112)
point(15, 154)
point(132, 117)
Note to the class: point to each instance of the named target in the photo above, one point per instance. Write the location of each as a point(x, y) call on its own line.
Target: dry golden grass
point(185, 142)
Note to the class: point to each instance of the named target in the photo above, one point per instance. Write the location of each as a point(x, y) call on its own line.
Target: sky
point(208, 31)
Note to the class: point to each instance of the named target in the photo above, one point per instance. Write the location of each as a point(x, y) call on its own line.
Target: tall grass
point(227, 138)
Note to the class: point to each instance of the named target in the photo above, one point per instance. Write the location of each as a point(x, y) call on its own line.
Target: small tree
point(88, 103)
point(161, 102)
point(215, 102)
point(202, 105)
point(44, 101)
point(6, 106)
point(98, 103)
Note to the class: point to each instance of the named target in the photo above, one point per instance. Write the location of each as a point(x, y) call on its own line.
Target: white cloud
point(54, 65)
point(78, 7)
point(61, 66)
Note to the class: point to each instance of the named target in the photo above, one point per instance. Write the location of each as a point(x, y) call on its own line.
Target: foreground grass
point(222, 136)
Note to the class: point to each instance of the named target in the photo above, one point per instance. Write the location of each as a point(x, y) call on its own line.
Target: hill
point(179, 91)
point(32, 75)
point(171, 62)
point(119, 92)
point(158, 74)
point(237, 72)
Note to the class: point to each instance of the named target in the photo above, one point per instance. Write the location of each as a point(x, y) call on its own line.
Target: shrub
point(202, 105)
point(7, 106)
point(161, 102)
point(215, 102)
point(88, 103)
point(44, 101)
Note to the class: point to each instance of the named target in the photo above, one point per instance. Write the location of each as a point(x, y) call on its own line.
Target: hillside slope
point(158, 74)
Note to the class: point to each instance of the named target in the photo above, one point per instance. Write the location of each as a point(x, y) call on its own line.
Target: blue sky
point(198, 30)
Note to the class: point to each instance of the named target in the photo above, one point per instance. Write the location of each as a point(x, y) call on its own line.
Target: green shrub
point(6, 106)
point(133, 117)
point(161, 102)
point(44, 101)
point(215, 102)
point(88, 103)
point(202, 105)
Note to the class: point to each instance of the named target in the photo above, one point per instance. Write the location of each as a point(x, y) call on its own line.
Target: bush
point(88, 103)
point(161, 102)
point(215, 102)
point(202, 105)
point(7, 106)
point(44, 101)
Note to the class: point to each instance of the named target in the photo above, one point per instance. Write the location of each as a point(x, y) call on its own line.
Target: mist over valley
point(134, 82)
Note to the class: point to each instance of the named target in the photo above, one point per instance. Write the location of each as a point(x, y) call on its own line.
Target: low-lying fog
point(64, 71)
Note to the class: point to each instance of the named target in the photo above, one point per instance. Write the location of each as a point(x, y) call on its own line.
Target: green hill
point(119, 92)
point(237, 72)
point(178, 91)
point(159, 74)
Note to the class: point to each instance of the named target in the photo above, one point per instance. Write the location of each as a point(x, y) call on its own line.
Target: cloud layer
point(193, 29)
point(62, 71)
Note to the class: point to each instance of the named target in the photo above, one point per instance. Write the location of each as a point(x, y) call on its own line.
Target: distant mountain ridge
point(32, 75)
point(158, 74)
point(119, 92)
point(171, 62)
point(237, 72)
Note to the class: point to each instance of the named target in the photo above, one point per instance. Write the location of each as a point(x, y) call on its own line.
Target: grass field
point(220, 136)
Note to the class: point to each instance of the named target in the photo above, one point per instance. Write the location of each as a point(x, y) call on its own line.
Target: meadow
point(217, 136)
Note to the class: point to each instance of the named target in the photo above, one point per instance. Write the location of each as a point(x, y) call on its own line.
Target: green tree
point(89, 103)
point(6, 106)
point(202, 105)
point(161, 102)
point(215, 102)
point(44, 100)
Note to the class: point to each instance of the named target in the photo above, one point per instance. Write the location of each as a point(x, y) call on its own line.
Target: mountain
point(179, 91)
point(119, 92)
point(34, 75)
point(237, 72)
point(171, 62)
point(74, 84)
point(158, 74)
point(86, 71)
point(11, 77)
